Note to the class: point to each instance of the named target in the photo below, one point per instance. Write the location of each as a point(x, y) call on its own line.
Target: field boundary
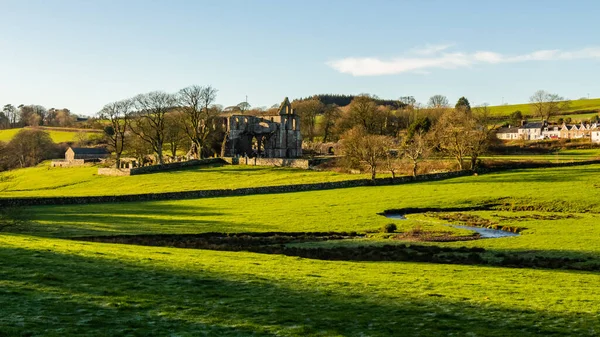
point(214, 193)
point(199, 194)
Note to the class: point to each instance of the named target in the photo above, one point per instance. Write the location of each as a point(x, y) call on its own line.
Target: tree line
point(458, 132)
point(148, 123)
point(35, 115)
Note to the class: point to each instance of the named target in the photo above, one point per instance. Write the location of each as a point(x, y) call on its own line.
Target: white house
point(531, 131)
point(508, 133)
point(551, 132)
point(595, 134)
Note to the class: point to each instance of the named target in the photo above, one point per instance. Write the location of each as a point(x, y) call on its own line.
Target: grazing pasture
point(58, 136)
point(51, 284)
point(84, 181)
point(582, 105)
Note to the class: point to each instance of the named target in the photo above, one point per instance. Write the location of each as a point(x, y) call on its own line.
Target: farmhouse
point(508, 133)
point(543, 130)
point(265, 136)
point(531, 131)
point(77, 156)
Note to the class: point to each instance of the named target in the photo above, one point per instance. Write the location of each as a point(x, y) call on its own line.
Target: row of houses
point(543, 130)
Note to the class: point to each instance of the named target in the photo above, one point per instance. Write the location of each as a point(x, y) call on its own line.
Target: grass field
point(57, 136)
point(575, 105)
point(558, 157)
point(53, 286)
point(83, 181)
point(80, 181)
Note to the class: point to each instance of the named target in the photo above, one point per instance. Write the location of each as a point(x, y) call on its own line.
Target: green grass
point(84, 181)
point(57, 136)
point(46, 181)
point(558, 157)
point(575, 105)
point(53, 286)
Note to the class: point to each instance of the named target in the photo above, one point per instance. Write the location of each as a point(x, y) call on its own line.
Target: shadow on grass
point(277, 243)
point(45, 292)
point(111, 219)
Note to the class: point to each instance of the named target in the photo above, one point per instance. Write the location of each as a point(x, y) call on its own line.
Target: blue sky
point(83, 54)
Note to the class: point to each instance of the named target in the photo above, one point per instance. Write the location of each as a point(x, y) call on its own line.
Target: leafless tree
point(416, 149)
point(481, 134)
point(438, 101)
point(451, 134)
point(195, 102)
point(363, 149)
point(175, 134)
point(463, 134)
point(31, 146)
point(363, 111)
point(331, 114)
point(546, 105)
point(11, 113)
point(308, 111)
point(149, 122)
point(118, 114)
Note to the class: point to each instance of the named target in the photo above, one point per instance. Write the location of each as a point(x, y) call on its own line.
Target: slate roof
point(90, 150)
point(513, 129)
point(536, 125)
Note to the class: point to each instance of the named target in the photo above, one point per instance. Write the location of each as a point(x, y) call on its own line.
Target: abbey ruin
point(265, 136)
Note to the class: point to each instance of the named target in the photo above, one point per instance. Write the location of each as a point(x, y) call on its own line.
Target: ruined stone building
point(265, 136)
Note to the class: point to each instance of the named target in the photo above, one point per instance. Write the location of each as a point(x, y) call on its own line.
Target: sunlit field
point(54, 285)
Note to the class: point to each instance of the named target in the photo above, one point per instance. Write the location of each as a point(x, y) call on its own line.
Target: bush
point(389, 228)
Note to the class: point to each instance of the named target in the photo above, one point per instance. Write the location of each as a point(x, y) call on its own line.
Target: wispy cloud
point(424, 59)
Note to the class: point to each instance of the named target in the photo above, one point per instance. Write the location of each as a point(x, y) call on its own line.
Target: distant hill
point(580, 106)
point(343, 100)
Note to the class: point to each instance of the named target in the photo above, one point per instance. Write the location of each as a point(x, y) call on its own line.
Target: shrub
point(389, 228)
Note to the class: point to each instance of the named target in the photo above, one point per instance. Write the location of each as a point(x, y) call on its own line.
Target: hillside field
point(53, 285)
point(58, 136)
point(580, 105)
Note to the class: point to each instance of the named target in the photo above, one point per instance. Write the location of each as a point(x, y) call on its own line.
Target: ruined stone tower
point(265, 136)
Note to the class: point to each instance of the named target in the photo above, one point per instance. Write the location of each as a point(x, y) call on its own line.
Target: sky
point(82, 54)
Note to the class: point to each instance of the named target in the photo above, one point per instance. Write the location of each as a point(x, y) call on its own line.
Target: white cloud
point(421, 60)
point(430, 49)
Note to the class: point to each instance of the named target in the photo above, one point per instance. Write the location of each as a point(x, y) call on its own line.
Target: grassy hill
point(582, 106)
point(58, 135)
point(51, 284)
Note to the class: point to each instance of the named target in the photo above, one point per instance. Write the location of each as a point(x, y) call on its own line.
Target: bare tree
point(481, 134)
point(416, 149)
point(31, 146)
point(363, 149)
point(546, 105)
point(451, 134)
point(11, 113)
point(308, 111)
point(175, 134)
point(149, 123)
point(408, 100)
point(331, 114)
point(364, 111)
point(195, 102)
point(438, 101)
point(118, 115)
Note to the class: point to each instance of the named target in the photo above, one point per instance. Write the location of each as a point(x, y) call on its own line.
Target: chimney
point(523, 122)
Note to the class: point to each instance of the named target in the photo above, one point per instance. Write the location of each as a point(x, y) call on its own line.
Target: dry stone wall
point(158, 168)
point(12, 202)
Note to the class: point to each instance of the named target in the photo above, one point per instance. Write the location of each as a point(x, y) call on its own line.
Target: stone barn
point(265, 136)
point(77, 156)
point(86, 153)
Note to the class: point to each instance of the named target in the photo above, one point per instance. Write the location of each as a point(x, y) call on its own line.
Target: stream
point(484, 233)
